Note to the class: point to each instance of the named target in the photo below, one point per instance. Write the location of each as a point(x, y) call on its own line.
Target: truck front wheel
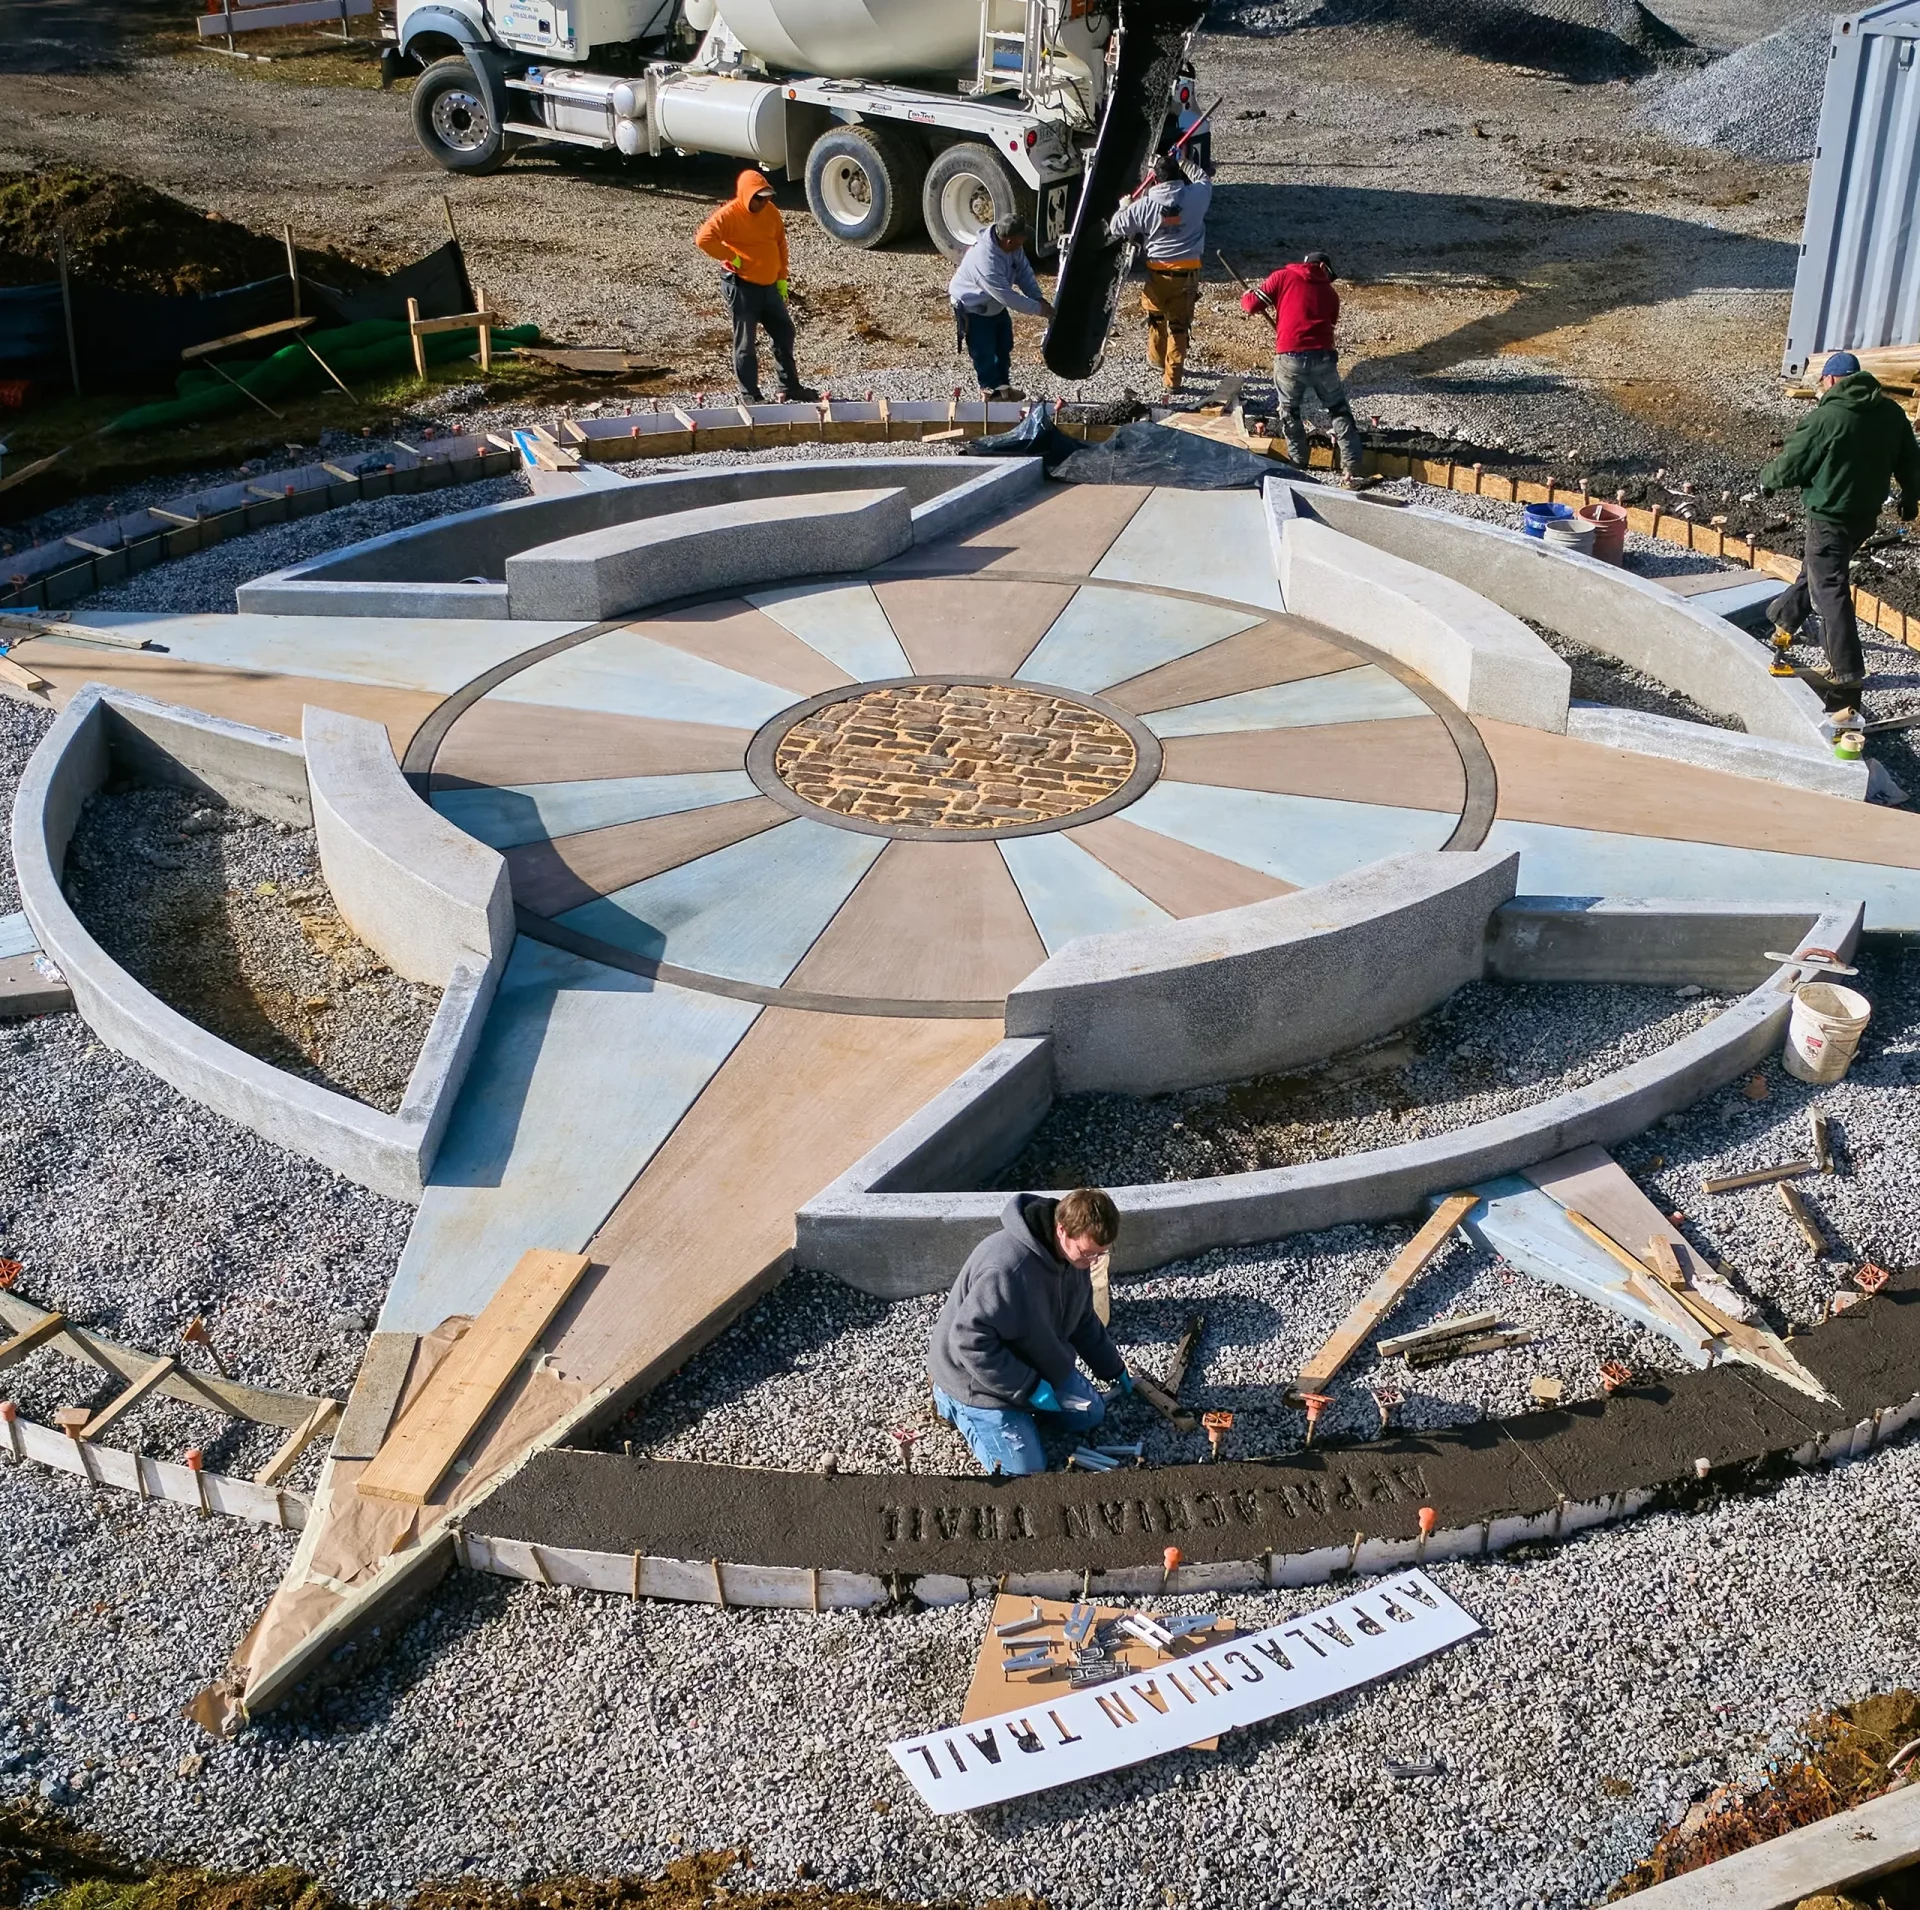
point(968, 187)
point(863, 184)
point(454, 118)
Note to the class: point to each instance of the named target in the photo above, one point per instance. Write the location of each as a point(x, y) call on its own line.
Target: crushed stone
point(1761, 101)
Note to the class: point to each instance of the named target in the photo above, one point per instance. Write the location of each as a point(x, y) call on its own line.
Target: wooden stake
point(419, 343)
point(486, 330)
point(636, 1578)
point(283, 1461)
point(539, 1565)
point(293, 267)
point(1822, 1153)
point(134, 1394)
point(453, 231)
point(66, 305)
point(1797, 1211)
point(1760, 1177)
point(719, 1586)
point(813, 1587)
point(28, 1338)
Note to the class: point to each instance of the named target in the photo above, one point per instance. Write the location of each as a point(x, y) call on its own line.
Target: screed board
point(466, 1383)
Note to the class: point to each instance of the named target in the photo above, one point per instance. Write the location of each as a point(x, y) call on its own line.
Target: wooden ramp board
point(994, 1693)
point(473, 1375)
point(1379, 1299)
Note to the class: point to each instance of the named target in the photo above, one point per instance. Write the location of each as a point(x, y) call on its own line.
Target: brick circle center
point(960, 756)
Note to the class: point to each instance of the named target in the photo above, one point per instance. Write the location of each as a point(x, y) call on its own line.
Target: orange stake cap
point(1427, 1516)
point(1171, 1556)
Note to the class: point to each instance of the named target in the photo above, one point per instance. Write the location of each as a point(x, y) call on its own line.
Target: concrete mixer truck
point(895, 113)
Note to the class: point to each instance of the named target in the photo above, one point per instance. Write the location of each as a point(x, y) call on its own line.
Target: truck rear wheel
point(968, 187)
point(863, 184)
point(454, 119)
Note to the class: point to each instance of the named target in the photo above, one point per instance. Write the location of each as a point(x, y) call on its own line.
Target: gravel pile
point(1762, 101)
point(1617, 1679)
point(1488, 1049)
point(1599, 678)
point(226, 917)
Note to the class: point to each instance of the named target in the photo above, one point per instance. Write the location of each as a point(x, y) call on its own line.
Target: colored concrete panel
point(1413, 759)
point(509, 815)
point(1560, 779)
point(930, 921)
point(1213, 542)
point(1178, 877)
point(747, 640)
point(242, 696)
point(1364, 695)
point(632, 675)
point(708, 1226)
point(1105, 636)
point(1063, 533)
point(749, 912)
point(582, 1072)
point(403, 653)
point(843, 622)
point(500, 742)
point(17, 936)
point(1070, 893)
point(1277, 651)
point(969, 627)
point(1299, 839)
point(551, 877)
point(1563, 861)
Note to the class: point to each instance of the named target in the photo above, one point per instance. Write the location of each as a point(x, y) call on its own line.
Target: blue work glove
point(1125, 1382)
point(1044, 1399)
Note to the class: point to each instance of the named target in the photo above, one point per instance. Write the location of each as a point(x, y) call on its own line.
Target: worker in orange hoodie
point(749, 238)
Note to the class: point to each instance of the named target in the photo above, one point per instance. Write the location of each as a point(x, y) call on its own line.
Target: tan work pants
point(1168, 299)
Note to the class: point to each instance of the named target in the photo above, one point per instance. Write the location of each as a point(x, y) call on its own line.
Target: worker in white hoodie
point(995, 275)
point(1167, 220)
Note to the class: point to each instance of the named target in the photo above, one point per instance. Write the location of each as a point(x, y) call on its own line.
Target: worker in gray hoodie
point(995, 279)
point(1167, 220)
point(1017, 1319)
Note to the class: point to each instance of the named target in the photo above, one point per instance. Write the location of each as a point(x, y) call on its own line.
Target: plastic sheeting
point(132, 341)
point(1157, 454)
point(1035, 436)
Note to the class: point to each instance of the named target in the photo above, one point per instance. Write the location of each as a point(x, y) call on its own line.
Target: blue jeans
point(989, 344)
point(1007, 1438)
point(1296, 376)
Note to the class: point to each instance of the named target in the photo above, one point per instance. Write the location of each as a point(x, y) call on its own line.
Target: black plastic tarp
point(1158, 454)
point(132, 341)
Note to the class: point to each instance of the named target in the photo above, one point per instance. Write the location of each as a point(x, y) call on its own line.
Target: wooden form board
point(465, 1384)
point(993, 1693)
point(1408, 1265)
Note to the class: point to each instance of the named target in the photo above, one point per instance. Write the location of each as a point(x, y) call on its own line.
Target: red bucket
point(1609, 523)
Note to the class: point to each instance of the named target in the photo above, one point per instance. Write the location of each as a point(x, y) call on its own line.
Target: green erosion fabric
point(373, 349)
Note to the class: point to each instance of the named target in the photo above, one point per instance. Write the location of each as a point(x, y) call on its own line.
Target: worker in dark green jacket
point(1841, 458)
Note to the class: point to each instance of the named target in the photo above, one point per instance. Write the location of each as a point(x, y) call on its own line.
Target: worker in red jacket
point(1304, 307)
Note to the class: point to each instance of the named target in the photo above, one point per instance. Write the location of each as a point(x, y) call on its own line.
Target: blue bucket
point(1539, 516)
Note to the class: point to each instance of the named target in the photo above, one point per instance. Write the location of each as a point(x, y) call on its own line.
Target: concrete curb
point(1271, 986)
point(455, 566)
point(1689, 649)
point(103, 730)
point(1642, 734)
point(1484, 660)
point(888, 1226)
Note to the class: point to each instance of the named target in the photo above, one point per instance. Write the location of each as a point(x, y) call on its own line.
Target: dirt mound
point(125, 235)
point(1763, 100)
point(1577, 39)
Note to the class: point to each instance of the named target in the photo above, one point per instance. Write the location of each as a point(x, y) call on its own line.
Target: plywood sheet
point(258, 697)
point(552, 877)
point(1281, 650)
point(1592, 1182)
point(930, 921)
point(499, 741)
point(748, 640)
point(970, 626)
point(465, 1385)
point(1580, 785)
point(1408, 761)
point(1183, 880)
point(705, 1227)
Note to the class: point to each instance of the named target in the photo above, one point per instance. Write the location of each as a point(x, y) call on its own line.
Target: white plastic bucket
point(1824, 1030)
point(1571, 533)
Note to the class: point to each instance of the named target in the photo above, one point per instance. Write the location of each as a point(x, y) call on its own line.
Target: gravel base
point(1762, 101)
point(1599, 678)
point(227, 918)
point(21, 728)
point(517, 1730)
point(1488, 1050)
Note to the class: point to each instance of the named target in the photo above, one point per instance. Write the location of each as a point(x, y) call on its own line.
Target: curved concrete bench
point(1611, 610)
point(430, 570)
point(1478, 655)
point(887, 1227)
point(103, 730)
point(1275, 985)
point(625, 567)
point(424, 896)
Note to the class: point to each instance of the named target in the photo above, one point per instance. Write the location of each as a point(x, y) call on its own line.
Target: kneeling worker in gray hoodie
point(1021, 1312)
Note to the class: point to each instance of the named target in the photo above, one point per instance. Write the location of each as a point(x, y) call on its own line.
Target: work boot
point(1006, 395)
point(1359, 480)
point(799, 395)
point(747, 397)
